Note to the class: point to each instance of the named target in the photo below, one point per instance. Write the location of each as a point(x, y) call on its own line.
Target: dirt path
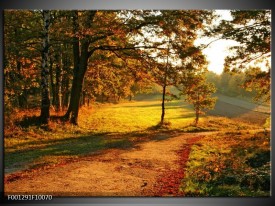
point(145, 170)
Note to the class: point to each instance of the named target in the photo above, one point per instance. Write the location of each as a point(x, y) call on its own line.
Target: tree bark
point(79, 78)
point(23, 99)
point(81, 56)
point(65, 91)
point(45, 93)
point(164, 86)
point(58, 74)
point(23, 96)
point(53, 85)
point(79, 73)
point(83, 98)
point(163, 105)
point(197, 110)
point(65, 78)
point(76, 54)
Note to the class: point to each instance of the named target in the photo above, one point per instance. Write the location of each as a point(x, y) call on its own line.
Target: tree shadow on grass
point(29, 121)
point(73, 147)
point(41, 152)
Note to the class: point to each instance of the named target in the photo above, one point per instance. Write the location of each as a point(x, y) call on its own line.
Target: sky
point(216, 54)
point(218, 50)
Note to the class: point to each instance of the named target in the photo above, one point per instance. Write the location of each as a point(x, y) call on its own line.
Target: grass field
point(241, 110)
point(100, 124)
point(122, 125)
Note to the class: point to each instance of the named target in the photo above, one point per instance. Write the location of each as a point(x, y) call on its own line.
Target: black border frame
point(130, 4)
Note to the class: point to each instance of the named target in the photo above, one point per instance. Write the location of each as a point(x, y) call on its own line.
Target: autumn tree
point(82, 32)
point(198, 92)
point(22, 57)
point(113, 76)
point(61, 59)
point(252, 30)
point(92, 31)
point(25, 31)
point(78, 38)
point(163, 71)
point(131, 33)
point(258, 81)
point(173, 38)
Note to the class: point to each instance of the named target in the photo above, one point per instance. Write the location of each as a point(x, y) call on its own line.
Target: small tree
point(198, 92)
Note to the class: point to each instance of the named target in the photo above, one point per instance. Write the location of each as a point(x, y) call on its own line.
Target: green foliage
point(230, 84)
point(252, 84)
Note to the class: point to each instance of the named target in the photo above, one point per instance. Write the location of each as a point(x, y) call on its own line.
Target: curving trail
point(153, 168)
point(169, 182)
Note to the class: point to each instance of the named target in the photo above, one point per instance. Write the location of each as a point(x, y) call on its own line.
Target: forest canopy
point(66, 59)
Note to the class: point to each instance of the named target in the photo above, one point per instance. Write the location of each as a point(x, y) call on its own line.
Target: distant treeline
point(231, 84)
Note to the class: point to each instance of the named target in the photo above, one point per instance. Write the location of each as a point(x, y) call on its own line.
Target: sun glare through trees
point(137, 102)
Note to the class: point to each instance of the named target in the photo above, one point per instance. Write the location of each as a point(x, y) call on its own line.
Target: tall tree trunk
point(23, 99)
point(76, 54)
point(197, 118)
point(81, 56)
point(45, 93)
point(75, 99)
point(197, 110)
point(65, 79)
point(164, 86)
point(65, 91)
point(58, 74)
point(79, 73)
point(52, 84)
point(163, 105)
point(23, 96)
